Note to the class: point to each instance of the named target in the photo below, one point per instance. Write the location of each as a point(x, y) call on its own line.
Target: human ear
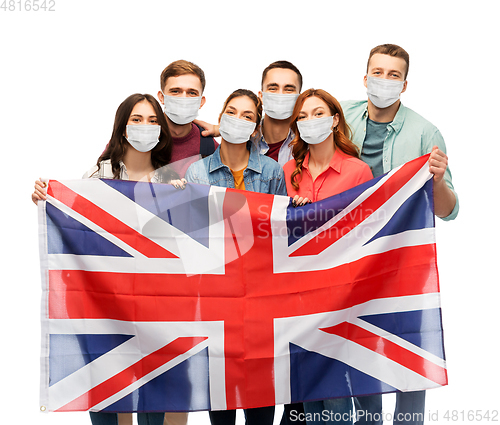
point(404, 86)
point(203, 100)
point(160, 97)
point(336, 121)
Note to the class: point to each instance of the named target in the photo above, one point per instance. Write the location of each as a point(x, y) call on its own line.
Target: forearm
point(209, 129)
point(444, 199)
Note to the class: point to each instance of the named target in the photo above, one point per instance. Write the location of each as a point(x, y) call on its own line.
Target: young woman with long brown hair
point(141, 155)
point(139, 149)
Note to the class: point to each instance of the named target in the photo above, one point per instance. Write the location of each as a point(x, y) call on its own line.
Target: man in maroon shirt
point(280, 87)
point(182, 84)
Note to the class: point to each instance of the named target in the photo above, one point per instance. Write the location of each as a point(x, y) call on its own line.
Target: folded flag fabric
point(157, 299)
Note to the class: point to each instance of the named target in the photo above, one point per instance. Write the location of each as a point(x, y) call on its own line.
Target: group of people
point(281, 141)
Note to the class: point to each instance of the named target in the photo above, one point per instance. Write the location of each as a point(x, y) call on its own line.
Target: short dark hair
point(391, 50)
point(283, 65)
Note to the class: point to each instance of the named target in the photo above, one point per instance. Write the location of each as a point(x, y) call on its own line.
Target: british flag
point(157, 299)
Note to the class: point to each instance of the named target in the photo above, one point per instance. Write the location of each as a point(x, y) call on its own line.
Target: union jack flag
point(156, 299)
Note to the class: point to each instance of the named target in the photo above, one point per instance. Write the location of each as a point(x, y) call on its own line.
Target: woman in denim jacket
point(236, 163)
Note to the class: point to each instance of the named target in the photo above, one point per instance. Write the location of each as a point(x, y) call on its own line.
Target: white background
point(64, 73)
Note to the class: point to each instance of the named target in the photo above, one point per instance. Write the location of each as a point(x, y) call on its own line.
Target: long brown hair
point(341, 134)
point(118, 145)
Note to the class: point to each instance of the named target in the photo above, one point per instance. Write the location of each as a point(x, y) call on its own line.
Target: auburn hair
point(118, 144)
point(341, 133)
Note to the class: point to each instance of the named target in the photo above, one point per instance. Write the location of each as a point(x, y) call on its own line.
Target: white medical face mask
point(234, 130)
point(316, 130)
point(279, 106)
point(143, 137)
point(181, 110)
point(383, 93)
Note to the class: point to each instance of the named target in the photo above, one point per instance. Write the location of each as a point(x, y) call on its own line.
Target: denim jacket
point(262, 174)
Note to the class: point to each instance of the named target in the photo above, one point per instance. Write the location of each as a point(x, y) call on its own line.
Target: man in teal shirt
point(388, 134)
point(403, 135)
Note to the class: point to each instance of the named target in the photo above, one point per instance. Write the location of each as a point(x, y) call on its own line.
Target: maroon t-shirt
point(274, 150)
point(186, 150)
